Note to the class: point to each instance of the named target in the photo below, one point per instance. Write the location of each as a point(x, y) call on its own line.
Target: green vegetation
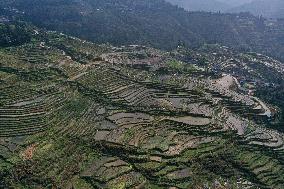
point(179, 66)
point(14, 34)
point(133, 117)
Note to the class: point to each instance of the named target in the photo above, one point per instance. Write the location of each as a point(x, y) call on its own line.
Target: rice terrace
point(77, 114)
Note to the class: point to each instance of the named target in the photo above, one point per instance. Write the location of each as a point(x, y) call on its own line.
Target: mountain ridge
point(202, 5)
point(150, 23)
point(267, 8)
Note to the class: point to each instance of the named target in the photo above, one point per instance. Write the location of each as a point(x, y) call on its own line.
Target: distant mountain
point(148, 22)
point(209, 5)
point(234, 3)
point(266, 8)
point(201, 5)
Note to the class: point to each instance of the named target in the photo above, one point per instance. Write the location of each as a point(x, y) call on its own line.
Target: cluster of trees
point(12, 34)
point(275, 96)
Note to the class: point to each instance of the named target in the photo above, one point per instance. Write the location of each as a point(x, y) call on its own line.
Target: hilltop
point(75, 114)
point(201, 5)
point(266, 8)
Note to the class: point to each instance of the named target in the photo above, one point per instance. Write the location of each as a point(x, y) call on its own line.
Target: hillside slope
point(78, 115)
point(235, 3)
point(266, 8)
point(149, 22)
point(201, 5)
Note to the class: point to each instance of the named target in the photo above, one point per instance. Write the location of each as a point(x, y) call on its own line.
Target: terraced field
point(88, 118)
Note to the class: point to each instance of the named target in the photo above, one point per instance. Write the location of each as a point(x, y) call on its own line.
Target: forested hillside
point(14, 34)
point(266, 8)
point(150, 22)
point(201, 5)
